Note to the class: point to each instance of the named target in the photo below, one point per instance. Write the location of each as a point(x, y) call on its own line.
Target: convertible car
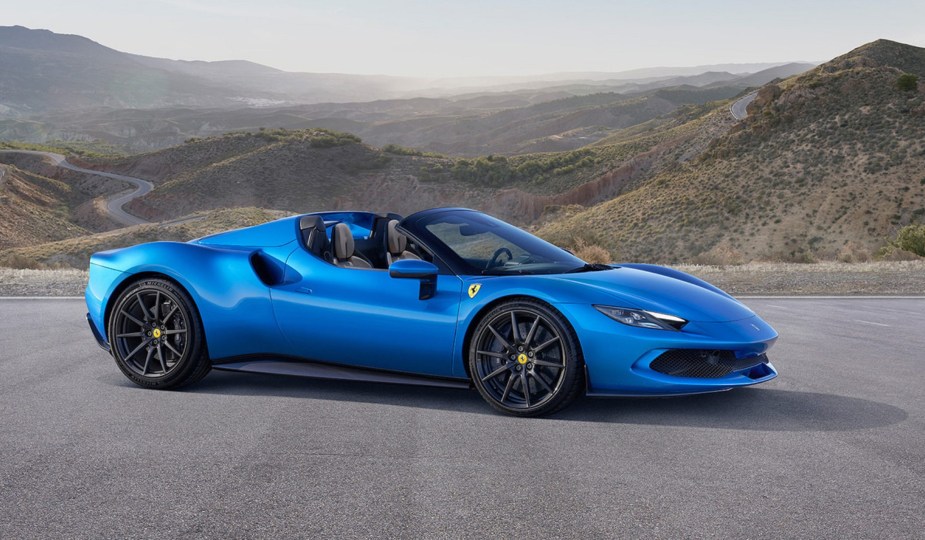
point(447, 297)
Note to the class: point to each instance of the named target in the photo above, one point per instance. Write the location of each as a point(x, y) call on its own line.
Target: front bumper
point(619, 359)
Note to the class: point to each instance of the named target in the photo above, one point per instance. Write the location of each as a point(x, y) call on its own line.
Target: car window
point(481, 244)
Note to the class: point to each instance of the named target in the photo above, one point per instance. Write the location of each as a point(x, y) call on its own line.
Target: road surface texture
point(115, 202)
point(739, 108)
point(833, 448)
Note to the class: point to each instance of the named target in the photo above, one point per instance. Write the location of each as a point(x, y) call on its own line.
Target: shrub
point(911, 238)
point(592, 253)
point(907, 82)
point(401, 150)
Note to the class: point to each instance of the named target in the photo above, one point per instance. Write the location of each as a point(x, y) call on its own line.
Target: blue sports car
point(447, 296)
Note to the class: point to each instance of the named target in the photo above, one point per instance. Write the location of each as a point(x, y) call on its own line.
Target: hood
point(641, 289)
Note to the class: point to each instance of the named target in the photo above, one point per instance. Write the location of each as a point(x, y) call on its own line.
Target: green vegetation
point(907, 82)
point(84, 149)
point(911, 238)
point(399, 150)
point(315, 137)
point(499, 171)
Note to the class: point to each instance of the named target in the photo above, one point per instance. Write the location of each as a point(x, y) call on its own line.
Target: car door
point(366, 318)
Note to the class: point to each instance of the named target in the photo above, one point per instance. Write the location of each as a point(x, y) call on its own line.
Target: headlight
point(642, 318)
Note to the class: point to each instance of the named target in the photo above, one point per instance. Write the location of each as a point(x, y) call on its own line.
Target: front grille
point(702, 364)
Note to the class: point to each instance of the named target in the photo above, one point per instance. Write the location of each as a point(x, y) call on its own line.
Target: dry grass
point(821, 278)
point(826, 278)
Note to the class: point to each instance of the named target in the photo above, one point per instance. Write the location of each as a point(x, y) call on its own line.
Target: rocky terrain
point(827, 161)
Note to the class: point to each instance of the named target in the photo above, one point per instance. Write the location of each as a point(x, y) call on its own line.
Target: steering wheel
point(494, 258)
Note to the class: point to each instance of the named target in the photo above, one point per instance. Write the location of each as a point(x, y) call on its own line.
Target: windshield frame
point(416, 226)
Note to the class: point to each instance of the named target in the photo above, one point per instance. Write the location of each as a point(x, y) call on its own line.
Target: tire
point(155, 336)
point(542, 357)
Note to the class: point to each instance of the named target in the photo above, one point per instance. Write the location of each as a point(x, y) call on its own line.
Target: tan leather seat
point(397, 242)
point(342, 240)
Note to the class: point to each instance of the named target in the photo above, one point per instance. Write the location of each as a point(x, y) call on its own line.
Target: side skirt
point(320, 370)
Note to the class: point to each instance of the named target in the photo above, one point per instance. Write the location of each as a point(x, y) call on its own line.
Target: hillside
point(826, 162)
point(296, 171)
point(33, 209)
point(307, 170)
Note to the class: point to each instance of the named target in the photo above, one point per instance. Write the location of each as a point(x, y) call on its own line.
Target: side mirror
point(415, 269)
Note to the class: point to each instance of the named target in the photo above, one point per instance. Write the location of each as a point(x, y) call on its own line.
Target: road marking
point(41, 297)
point(870, 322)
point(820, 297)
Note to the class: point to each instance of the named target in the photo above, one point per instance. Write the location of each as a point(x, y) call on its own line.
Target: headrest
point(397, 241)
point(313, 234)
point(342, 239)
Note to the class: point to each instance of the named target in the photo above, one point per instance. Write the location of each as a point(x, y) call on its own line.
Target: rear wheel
point(156, 336)
point(524, 359)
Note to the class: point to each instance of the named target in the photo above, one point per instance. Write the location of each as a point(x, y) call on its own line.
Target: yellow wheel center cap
point(521, 358)
point(156, 333)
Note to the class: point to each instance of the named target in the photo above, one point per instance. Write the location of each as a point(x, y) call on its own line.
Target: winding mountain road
point(115, 203)
point(740, 106)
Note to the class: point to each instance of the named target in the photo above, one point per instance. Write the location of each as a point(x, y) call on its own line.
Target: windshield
point(480, 244)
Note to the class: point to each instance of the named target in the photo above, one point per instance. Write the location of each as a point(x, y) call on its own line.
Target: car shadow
point(754, 408)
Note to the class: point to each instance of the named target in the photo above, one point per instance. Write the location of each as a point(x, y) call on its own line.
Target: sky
point(469, 38)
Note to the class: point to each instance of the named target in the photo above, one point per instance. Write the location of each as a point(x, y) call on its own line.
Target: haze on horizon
point(478, 37)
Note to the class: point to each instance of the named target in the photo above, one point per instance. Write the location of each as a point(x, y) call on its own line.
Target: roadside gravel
point(64, 282)
point(773, 279)
point(825, 278)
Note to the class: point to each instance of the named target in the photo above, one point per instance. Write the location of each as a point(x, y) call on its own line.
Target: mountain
point(44, 71)
point(826, 162)
point(765, 76)
point(561, 118)
point(48, 72)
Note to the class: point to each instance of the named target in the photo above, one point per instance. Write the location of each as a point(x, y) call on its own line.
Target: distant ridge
point(49, 72)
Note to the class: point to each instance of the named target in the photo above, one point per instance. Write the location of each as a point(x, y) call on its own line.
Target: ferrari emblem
point(474, 289)
point(156, 333)
point(522, 358)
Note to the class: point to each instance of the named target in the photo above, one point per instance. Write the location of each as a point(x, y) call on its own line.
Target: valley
point(789, 163)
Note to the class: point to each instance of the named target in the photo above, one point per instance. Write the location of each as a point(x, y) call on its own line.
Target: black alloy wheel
point(524, 359)
point(156, 336)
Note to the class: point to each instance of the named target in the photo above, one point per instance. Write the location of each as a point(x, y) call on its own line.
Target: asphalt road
point(833, 448)
point(115, 203)
point(739, 108)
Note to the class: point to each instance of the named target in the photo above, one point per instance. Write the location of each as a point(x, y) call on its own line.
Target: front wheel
point(156, 336)
point(524, 359)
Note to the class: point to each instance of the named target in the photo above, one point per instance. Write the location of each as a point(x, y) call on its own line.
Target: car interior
point(334, 241)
